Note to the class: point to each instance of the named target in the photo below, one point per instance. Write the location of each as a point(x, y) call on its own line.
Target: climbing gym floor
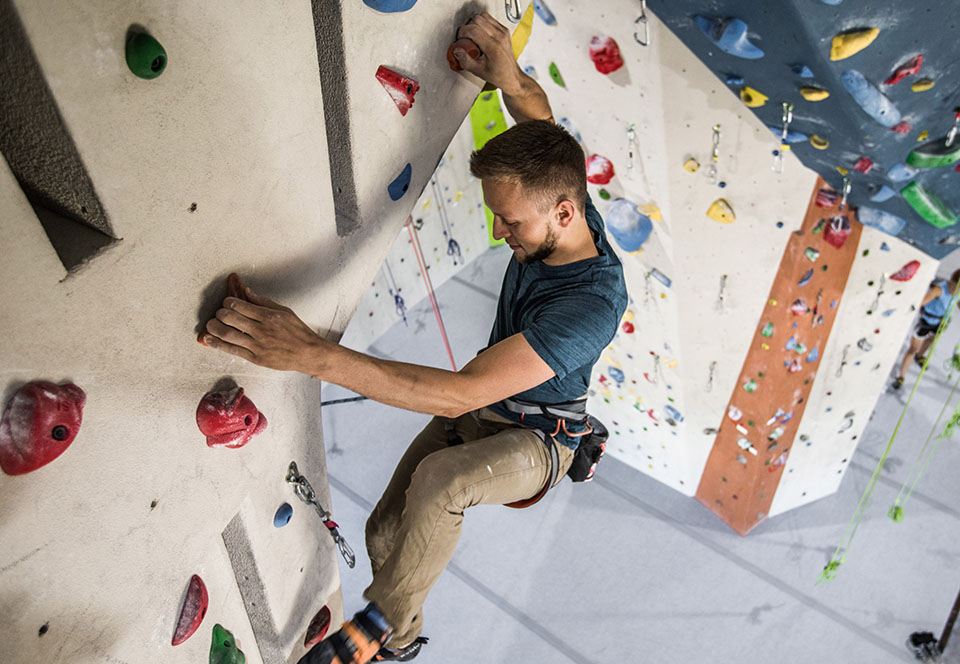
point(624, 569)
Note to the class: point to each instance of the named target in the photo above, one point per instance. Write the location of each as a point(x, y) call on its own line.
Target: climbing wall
point(875, 95)
point(257, 140)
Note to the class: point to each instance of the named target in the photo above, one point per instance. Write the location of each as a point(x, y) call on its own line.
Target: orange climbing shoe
point(359, 640)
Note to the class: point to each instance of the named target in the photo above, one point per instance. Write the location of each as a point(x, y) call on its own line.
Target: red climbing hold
point(628, 327)
point(472, 50)
point(400, 88)
point(827, 198)
point(599, 169)
point(605, 54)
point(864, 164)
point(317, 629)
point(836, 231)
point(906, 272)
point(234, 289)
point(908, 68)
point(38, 425)
point(229, 419)
point(192, 612)
point(902, 127)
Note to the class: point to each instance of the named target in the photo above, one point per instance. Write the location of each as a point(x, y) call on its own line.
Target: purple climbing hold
point(873, 102)
point(805, 279)
point(730, 36)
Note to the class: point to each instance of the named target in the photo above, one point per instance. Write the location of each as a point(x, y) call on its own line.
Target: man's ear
point(565, 212)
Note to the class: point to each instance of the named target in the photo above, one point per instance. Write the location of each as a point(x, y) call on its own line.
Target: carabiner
point(642, 19)
point(513, 10)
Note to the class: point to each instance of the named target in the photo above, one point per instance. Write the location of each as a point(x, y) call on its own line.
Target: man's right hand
point(495, 64)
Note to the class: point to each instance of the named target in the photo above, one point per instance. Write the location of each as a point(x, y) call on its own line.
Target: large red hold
point(599, 169)
point(39, 423)
point(229, 419)
point(908, 68)
point(906, 272)
point(836, 231)
point(605, 54)
point(192, 612)
point(400, 88)
point(826, 198)
point(318, 628)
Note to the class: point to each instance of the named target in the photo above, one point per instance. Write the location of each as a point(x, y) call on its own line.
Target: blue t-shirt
point(934, 311)
point(567, 313)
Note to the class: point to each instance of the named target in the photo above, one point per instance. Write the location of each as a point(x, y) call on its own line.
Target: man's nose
point(499, 228)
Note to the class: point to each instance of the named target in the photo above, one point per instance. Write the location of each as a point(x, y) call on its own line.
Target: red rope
point(418, 251)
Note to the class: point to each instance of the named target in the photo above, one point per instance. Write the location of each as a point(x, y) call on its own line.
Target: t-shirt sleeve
point(572, 331)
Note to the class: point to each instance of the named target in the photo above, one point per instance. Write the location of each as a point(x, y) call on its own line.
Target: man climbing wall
point(505, 426)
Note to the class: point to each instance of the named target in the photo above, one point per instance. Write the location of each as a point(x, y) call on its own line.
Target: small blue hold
point(803, 71)
point(629, 227)
point(901, 172)
point(399, 187)
point(776, 153)
point(530, 71)
point(735, 80)
point(283, 515)
point(544, 12)
point(885, 193)
point(884, 246)
point(813, 355)
point(730, 36)
point(673, 413)
point(805, 279)
point(833, 3)
point(567, 124)
point(881, 220)
point(888, 313)
point(792, 136)
point(779, 224)
point(721, 184)
point(791, 343)
point(390, 6)
point(616, 374)
point(873, 102)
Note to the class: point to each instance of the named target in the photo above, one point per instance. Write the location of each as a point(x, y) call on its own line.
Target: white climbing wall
point(218, 165)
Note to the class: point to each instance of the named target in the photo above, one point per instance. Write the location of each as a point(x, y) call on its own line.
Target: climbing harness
point(513, 10)
point(644, 24)
point(840, 554)
point(421, 261)
point(784, 146)
point(305, 492)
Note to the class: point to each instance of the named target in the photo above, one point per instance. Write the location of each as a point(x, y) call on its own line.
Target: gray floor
point(624, 569)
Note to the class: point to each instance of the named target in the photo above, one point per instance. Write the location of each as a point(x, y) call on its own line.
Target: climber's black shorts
point(924, 329)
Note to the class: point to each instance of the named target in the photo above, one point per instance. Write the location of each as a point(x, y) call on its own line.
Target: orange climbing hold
point(400, 88)
point(466, 45)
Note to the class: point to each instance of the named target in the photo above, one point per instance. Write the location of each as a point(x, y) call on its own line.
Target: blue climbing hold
point(833, 3)
point(628, 226)
point(791, 343)
point(803, 71)
point(884, 246)
point(805, 279)
point(735, 80)
point(901, 172)
point(616, 374)
point(530, 71)
point(399, 187)
point(885, 193)
point(283, 515)
point(730, 36)
point(544, 12)
point(888, 313)
point(567, 124)
point(873, 102)
point(390, 6)
point(673, 413)
point(792, 136)
point(814, 355)
point(881, 220)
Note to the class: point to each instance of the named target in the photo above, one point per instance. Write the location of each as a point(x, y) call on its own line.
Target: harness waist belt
point(573, 410)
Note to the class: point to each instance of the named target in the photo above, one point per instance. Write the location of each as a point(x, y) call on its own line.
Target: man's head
point(954, 279)
point(535, 183)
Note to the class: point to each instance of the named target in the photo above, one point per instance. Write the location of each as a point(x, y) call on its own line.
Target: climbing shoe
point(897, 383)
point(404, 654)
point(359, 641)
point(920, 359)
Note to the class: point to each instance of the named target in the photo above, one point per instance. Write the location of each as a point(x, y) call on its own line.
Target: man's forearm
point(527, 101)
point(409, 386)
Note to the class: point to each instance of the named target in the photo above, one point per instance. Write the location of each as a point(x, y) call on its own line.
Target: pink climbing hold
point(826, 198)
point(400, 88)
point(794, 366)
point(318, 628)
point(39, 423)
point(799, 307)
point(599, 169)
point(192, 612)
point(908, 68)
point(605, 54)
point(907, 272)
point(836, 231)
point(628, 327)
point(902, 127)
point(229, 419)
point(864, 165)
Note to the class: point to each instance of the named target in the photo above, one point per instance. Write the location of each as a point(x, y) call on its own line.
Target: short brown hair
point(540, 156)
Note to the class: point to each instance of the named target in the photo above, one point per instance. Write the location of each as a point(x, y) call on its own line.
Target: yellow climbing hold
point(773, 302)
point(842, 171)
point(721, 211)
point(691, 165)
point(764, 346)
point(752, 98)
point(819, 142)
point(814, 94)
point(652, 211)
point(923, 85)
point(671, 363)
point(848, 43)
point(923, 135)
point(628, 315)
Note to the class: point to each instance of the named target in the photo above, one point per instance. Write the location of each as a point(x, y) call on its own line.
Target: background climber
point(935, 305)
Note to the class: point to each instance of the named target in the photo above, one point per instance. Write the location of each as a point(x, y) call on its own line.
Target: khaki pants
point(413, 531)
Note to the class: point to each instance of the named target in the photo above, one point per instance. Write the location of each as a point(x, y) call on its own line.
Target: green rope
point(840, 553)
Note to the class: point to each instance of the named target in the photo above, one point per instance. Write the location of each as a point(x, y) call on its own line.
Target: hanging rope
point(840, 554)
point(418, 251)
point(453, 247)
point(394, 289)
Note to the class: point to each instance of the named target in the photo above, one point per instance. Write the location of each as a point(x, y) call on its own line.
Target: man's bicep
point(506, 368)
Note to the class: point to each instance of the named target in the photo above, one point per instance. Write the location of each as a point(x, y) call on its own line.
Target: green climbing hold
point(223, 648)
point(896, 513)
point(750, 385)
point(811, 254)
point(928, 206)
point(819, 227)
point(145, 56)
point(934, 154)
point(604, 194)
point(555, 75)
point(767, 330)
